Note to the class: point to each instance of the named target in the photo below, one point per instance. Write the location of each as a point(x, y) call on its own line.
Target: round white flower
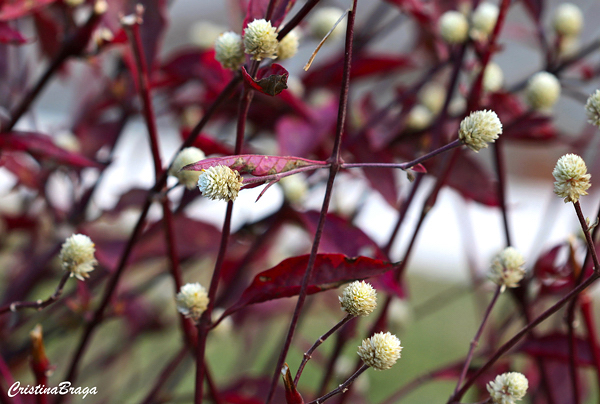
point(493, 78)
point(192, 300)
point(508, 388)
point(543, 90)
point(479, 128)
point(204, 34)
point(220, 182)
point(507, 268)
point(187, 156)
point(592, 108)
point(322, 20)
point(454, 27)
point(418, 118)
point(484, 20)
point(567, 19)
point(359, 299)
point(294, 187)
point(77, 256)
point(229, 50)
point(260, 40)
point(432, 96)
point(381, 351)
point(288, 46)
point(572, 179)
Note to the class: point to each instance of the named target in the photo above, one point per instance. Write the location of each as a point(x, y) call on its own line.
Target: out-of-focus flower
point(508, 388)
point(572, 179)
point(483, 20)
point(543, 90)
point(323, 20)
point(418, 118)
point(187, 156)
point(381, 351)
point(204, 34)
point(229, 50)
point(288, 46)
point(432, 96)
point(507, 268)
point(454, 27)
point(479, 128)
point(567, 19)
point(294, 187)
point(359, 299)
point(77, 256)
point(220, 182)
point(492, 78)
point(592, 108)
point(260, 40)
point(192, 300)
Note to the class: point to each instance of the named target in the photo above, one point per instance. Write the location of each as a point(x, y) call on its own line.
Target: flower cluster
point(189, 155)
point(507, 268)
point(508, 388)
point(229, 50)
point(359, 299)
point(479, 128)
point(77, 256)
point(220, 182)
point(192, 300)
point(572, 179)
point(543, 90)
point(381, 351)
point(260, 40)
point(592, 108)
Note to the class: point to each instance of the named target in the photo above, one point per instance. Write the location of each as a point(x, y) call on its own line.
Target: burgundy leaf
point(330, 271)
point(23, 167)
point(49, 32)
point(556, 346)
point(10, 36)
point(255, 164)
point(291, 394)
point(257, 9)
point(208, 144)
point(270, 80)
point(42, 148)
point(11, 10)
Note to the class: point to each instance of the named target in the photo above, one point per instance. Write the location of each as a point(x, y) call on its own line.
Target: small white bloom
point(592, 108)
point(294, 187)
point(187, 156)
point(432, 96)
point(418, 118)
point(568, 46)
point(229, 50)
point(260, 40)
point(323, 20)
point(192, 300)
point(572, 179)
point(205, 33)
point(454, 27)
point(359, 299)
point(508, 388)
point(507, 268)
point(543, 90)
point(220, 182)
point(288, 46)
point(77, 256)
point(381, 351)
point(493, 78)
point(567, 19)
point(483, 20)
point(479, 128)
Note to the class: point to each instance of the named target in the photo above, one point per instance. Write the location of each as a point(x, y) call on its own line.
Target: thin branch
point(38, 304)
point(342, 388)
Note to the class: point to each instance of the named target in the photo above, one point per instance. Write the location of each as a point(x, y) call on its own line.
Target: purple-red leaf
point(10, 36)
point(255, 164)
point(257, 9)
point(11, 10)
point(270, 80)
point(291, 394)
point(556, 346)
point(330, 271)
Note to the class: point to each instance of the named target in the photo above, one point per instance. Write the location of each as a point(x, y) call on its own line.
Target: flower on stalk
point(192, 300)
point(323, 20)
point(567, 20)
point(359, 299)
point(572, 179)
point(592, 108)
point(507, 268)
point(229, 50)
point(187, 156)
point(288, 46)
point(380, 351)
point(543, 90)
point(220, 182)
point(492, 78)
point(77, 256)
point(260, 40)
point(484, 20)
point(479, 128)
point(508, 388)
point(454, 27)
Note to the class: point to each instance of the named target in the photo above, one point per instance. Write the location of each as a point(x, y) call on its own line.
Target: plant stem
point(475, 341)
point(317, 343)
point(342, 388)
point(164, 376)
point(295, 20)
point(39, 304)
point(335, 160)
point(588, 236)
point(501, 173)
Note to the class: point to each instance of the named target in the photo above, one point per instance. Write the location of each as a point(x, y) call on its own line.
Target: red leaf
point(23, 167)
point(269, 80)
point(10, 36)
point(42, 148)
point(208, 144)
point(556, 346)
point(49, 33)
point(257, 9)
point(11, 10)
point(291, 394)
point(255, 164)
point(330, 271)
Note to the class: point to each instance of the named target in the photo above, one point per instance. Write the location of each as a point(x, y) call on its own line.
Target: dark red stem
point(40, 304)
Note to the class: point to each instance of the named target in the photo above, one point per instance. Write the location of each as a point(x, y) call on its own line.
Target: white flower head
point(294, 187)
point(77, 256)
point(454, 27)
point(187, 156)
point(359, 299)
point(493, 78)
point(323, 20)
point(507, 268)
point(432, 96)
point(380, 351)
point(567, 19)
point(508, 388)
point(192, 300)
point(592, 108)
point(483, 20)
point(220, 182)
point(288, 46)
point(229, 50)
point(260, 40)
point(543, 90)
point(479, 128)
point(572, 179)
point(418, 118)
point(204, 34)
